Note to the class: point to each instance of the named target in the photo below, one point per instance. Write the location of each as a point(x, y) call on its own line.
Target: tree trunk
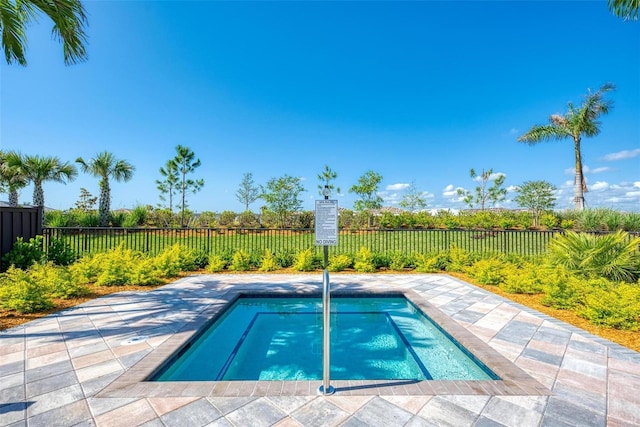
point(579, 184)
point(13, 198)
point(38, 194)
point(105, 203)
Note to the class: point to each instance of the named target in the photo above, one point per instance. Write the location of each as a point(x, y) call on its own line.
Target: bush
point(117, 266)
point(285, 258)
point(363, 262)
point(57, 281)
point(459, 259)
point(24, 254)
point(562, 289)
point(241, 261)
point(268, 262)
point(174, 259)
point(304, 261)
point(339, 262)
point(60, 253)
point(87, 268)
point(398, 261)
point(200, 258)
point(526, 280)
point(614, 256)
point(137, 217)
point(216, 264)
point(615, 306)
point(427, 263)
point(145, 273)
point(490, 271)
point(20, 292)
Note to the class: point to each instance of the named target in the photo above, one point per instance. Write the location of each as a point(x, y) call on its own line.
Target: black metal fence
point(18, 222)
point(216, 240)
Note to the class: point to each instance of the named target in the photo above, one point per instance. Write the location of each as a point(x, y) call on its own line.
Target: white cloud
point(620, 155)
point(396, 187)
point(636, 184)
point(492, 177)
point(512, 188)
point(632, 194)
point(599, 185)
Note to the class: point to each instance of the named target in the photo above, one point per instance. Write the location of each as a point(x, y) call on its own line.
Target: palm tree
point(626, 9)
point(576, 123)
point(104, 166)
point(39, 169)
point(12, 177)
point(69, 21)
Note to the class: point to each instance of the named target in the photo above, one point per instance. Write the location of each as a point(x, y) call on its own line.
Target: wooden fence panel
point(18, 222)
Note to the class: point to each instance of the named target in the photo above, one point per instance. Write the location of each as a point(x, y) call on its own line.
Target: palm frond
point(626, 9)
point(539, 133)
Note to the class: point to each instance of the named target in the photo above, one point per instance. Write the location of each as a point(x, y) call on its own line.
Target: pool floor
point(272, 338)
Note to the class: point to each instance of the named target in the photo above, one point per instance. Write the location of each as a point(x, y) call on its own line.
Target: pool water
point(281, 339)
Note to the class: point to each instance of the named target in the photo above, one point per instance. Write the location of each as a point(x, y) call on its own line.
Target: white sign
point(326, 222)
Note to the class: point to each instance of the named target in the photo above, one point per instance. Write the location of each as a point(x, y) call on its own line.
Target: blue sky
point(416, 91)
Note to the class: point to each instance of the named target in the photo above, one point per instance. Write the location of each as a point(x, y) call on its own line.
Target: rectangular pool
point(372, 338)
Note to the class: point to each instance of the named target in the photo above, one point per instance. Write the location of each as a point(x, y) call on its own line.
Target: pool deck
point(70, 368)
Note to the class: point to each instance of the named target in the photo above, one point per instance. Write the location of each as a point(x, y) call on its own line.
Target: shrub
point(631, 221)
point(241, 261)
point(615, 306)
point(227, 219)
point(174, 259)
point(562, 289)
point(285, 258)
point(304, 261)
point(137, 217)
point(60, 253)
point(398, 261)
point(363, 262)
point(216, 263)
point(117, 218)
point(549, 220)
point(200, 258)
point(459, 259)
point(339, 262)
point(427, 263)
point(116, 266)
point(87, 268)
point(57, 281)
point(614, 256)
point(380, 260)
point(145, 273)
point(490, 271)
point(20, 292)
point(24, 254)
point(268, 262)
point(526, 280)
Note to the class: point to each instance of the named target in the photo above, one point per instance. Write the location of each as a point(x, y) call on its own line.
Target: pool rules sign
point(326, 222)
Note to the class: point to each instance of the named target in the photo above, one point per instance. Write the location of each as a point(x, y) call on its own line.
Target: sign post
point(326, 235)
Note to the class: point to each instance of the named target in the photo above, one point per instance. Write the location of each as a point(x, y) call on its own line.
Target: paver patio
point(62, 370)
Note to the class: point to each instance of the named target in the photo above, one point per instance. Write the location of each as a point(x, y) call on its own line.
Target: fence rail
point(216, 240)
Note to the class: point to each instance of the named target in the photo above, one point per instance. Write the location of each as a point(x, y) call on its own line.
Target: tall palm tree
point(39, 169)
point(12, 176)
point(69, 22)
point(574, 124)
point(104, 166)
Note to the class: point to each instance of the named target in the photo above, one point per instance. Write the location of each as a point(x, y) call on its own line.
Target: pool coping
point(134, 382)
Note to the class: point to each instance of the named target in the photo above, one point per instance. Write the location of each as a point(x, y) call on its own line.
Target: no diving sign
point(326, 222)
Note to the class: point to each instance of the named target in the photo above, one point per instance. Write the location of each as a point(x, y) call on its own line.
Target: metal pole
point(326, 389)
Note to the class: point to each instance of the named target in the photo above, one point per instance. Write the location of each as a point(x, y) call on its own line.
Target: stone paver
point(59, 370)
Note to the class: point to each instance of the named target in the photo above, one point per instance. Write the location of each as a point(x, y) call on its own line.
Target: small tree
point(482, 194)
point(105, 166)
point(12, 176)
point(367, 189)
point(248, 192)
point(413, 199)
point(86, 201)
point(537, 196)
point(325, 179)
point(185, 165)
point(168, 186)
point(282, 196)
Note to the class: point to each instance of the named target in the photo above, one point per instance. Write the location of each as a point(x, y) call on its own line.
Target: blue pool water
point(377, 338)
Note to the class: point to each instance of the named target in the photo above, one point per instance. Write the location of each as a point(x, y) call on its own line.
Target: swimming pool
point(276, 338)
